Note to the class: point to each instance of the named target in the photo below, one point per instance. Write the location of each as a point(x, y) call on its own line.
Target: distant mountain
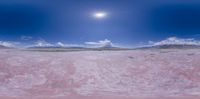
point(74, 48)
point(171, 46)
point(59, 46)
point(55, 47)
point(4, 47)
point(177, 46)
point(111, 48)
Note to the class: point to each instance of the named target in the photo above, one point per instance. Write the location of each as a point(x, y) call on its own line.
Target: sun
point(100, 15)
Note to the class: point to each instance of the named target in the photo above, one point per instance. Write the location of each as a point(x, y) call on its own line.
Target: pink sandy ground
point(135, 74)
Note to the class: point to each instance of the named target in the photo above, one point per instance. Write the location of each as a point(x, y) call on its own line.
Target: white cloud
point(101, 43)
point(176, 41)
point(9, 43)
point(26, 38)
point(42, 43)
point(60, 44)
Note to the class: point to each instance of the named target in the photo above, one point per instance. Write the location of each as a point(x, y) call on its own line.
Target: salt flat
point(132, 74)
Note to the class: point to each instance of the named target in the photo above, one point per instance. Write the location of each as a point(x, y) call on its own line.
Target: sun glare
point(100, 15)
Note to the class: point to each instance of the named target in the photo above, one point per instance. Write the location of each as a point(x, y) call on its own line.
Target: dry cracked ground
point(133, 74)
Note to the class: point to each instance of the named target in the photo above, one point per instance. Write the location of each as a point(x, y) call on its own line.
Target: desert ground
point(130, 74)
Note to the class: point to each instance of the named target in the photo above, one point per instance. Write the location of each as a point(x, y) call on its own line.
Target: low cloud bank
point(9, 44)
point(176, 41)
point(60, 44)
point(101, 43)
point(42, 43)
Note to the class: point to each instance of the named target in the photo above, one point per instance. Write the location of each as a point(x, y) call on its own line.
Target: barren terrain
point(132, 74)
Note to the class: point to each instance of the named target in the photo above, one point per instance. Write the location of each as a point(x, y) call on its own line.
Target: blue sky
point(128, 22)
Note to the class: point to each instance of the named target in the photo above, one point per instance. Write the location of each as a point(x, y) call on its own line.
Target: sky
point(124, 22)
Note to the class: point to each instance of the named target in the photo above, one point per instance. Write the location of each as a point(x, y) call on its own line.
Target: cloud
point(151, 42)
point(9, 43)
point(60, 44)
point(176, 41)
point(43, 43)
point(25, 38)
point(101, 43)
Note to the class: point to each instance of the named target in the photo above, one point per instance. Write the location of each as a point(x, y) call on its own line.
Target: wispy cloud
point(101, 43)
point(60, 44)
point(25, 38)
